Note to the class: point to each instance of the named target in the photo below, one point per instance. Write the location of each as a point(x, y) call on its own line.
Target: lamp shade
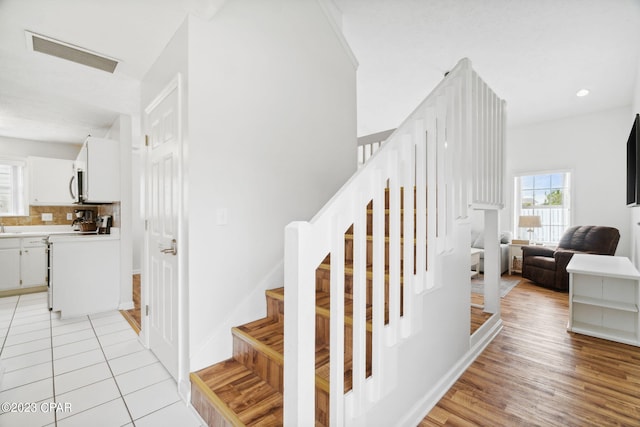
point(529, 221)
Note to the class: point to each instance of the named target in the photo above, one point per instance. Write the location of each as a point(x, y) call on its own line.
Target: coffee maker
point(105, 222)
point(84, 217)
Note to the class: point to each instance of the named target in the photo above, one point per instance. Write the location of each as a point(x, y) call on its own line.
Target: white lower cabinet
point(9, 264)
point(604, 298)
point(33, 263)
point(85, 275)
point(23, 263)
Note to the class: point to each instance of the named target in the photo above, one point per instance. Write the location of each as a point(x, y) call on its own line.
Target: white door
point(162, 192)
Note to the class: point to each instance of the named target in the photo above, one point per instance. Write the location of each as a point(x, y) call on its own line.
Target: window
point(12, 188)
point(546, 195)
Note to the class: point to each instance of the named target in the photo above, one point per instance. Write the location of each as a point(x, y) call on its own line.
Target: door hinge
point(147, 310)
point(146, 140)
point(146, 224)
point(21, 281)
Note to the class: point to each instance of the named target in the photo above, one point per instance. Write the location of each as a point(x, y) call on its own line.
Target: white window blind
point(547, 195)
point(12, 188)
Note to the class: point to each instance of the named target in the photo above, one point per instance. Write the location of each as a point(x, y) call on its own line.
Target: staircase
point(248, 388)
point(371, 315)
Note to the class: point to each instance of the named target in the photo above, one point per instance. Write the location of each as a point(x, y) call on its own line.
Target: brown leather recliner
point(548, 267)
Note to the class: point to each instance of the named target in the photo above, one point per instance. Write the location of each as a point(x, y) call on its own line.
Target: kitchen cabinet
point(23, 262)
point(33, 262)
point(85, 274)
point(9, 264)
point(49, 181)
point(99, 159)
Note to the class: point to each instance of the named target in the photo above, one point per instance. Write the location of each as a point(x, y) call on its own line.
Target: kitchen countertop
point(44, 231)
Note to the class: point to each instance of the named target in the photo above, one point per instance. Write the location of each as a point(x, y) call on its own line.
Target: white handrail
point(424, 156)
point(369, 144)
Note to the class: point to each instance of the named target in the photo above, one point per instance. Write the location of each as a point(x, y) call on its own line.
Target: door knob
point(173, 249)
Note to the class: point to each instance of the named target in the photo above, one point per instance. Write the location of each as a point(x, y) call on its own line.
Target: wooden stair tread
point(349, 271)
point(323, 304)
point(239, 394)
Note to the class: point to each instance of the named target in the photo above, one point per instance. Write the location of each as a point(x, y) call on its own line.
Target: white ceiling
point(535, 54)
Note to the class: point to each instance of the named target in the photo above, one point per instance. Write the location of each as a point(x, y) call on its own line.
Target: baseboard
point(127, 305)
point(417, 413)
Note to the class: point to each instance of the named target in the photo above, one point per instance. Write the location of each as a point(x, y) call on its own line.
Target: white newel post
point(299, 328)
point(491, 262)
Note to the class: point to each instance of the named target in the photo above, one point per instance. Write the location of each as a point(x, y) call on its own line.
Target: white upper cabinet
point(100, 161)
point(49, 181)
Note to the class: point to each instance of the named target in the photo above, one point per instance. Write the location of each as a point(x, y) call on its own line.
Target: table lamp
point(529, 222)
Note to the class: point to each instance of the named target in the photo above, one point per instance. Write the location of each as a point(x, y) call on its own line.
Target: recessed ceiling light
point(582, 92)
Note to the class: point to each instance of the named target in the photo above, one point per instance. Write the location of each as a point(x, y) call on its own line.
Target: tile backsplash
point(59, 214)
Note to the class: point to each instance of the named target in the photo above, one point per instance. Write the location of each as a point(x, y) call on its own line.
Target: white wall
point(634, 213)
point(123, 130)
point(593, 147)
point(270, 136)
point(16, 147)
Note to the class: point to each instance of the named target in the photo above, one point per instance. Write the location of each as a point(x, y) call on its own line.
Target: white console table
point(603, 298)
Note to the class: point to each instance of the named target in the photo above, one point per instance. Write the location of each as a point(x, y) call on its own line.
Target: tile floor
point(89, 370)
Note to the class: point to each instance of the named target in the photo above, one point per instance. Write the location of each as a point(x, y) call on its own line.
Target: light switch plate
point(47, 217)
point(69, 216)
point(221, 216)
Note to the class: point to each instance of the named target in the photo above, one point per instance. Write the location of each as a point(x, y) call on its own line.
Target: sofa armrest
point(537, 251)
point(563, 256)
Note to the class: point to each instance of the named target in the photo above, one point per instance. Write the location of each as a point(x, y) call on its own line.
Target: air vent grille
point(70, 53)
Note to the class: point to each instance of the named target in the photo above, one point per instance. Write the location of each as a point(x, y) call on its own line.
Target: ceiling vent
point(69, 52)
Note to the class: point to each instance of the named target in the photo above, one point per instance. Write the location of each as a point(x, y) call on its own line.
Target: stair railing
point(369, 144)
point(430, 152)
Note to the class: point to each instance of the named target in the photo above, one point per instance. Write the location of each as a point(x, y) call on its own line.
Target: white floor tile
point(33, 317)
point(25, 360)
point(73, 337)
point(123, 348)
point(110, 328)
point(151, 399)
point(35, 295)
point(25, 376)
point(30, 311)
point(106, 318)
point(177, 414)
point(29, 419)
point(27, 347)
point(143, 377)
point(117, 337)
point(5, 317)
point(132, 361)
point(77, 361)
point(84, 379)
point(81, 377)
point(13, 339)
point(9, 300)
point(113, 413)
point(70, 327)
point(32, 392)
point(88, 397)
point(76, 347)
point(57, 321)
point(28, 327)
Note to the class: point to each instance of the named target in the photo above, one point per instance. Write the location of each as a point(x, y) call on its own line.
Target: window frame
point(517, 204)
point(20, 194)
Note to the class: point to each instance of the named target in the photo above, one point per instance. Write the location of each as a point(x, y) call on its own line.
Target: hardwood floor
point(133, 315)
point(537, 373)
